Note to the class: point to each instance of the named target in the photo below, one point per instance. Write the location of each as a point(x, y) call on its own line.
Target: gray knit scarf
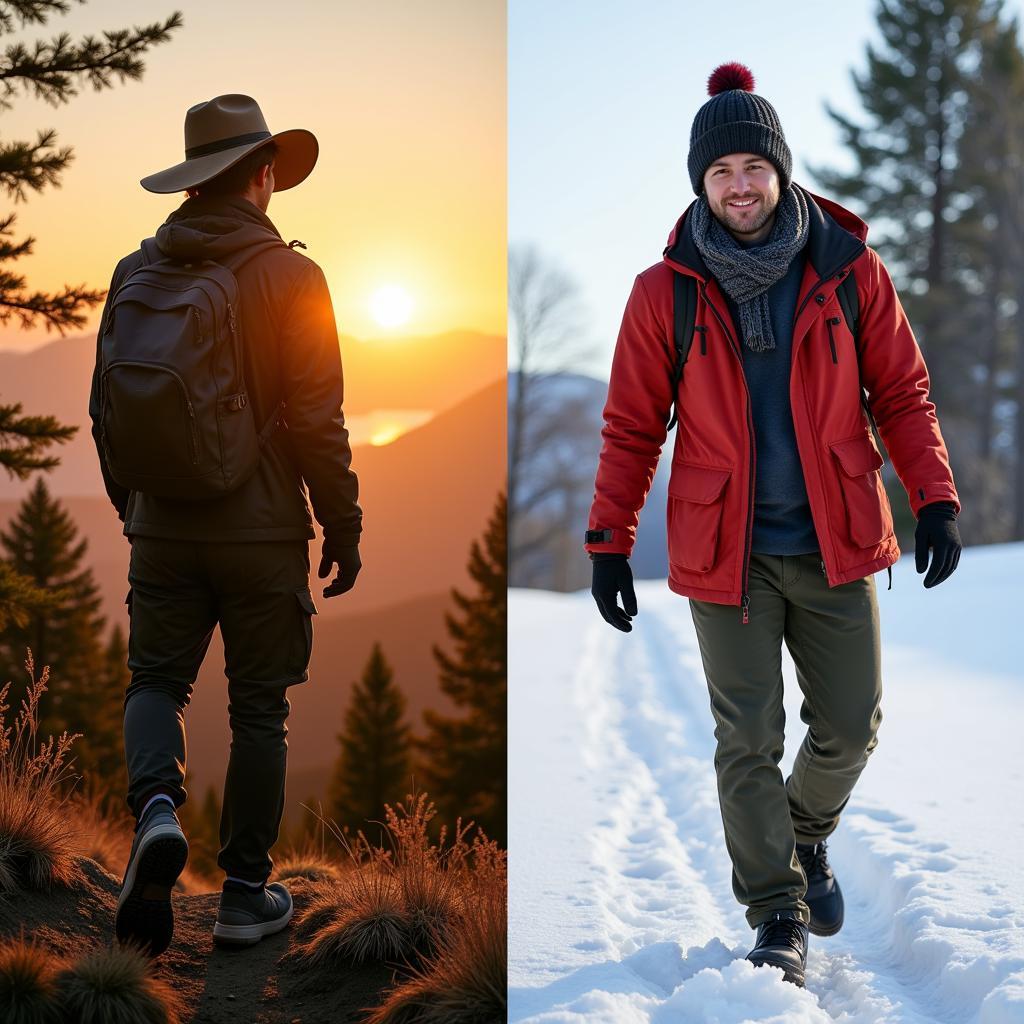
point(745, 275)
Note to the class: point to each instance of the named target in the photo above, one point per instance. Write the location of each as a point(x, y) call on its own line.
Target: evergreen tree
point(201, 823)
point(465, 755)
point(100, 752)
point(23, 440)
point(917, 94)
point(40, 544)
point(373, 766)
point(53, 70)
point(990, 242)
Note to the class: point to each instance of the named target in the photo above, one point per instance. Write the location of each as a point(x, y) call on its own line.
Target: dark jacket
point(290, 354)
point(711, 487)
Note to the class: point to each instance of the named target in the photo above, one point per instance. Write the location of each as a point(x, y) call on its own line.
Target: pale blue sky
point(601, 97)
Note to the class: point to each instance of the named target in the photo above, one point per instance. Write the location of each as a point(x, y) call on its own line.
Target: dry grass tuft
point(28, 984)
point(308, 864)
point(464, 981)
point(37, 848)
point(439, 905)
point(100, 833)
point(367, 923)
point(113, 985)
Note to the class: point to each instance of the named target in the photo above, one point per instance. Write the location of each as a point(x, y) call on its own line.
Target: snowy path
point(620, 894)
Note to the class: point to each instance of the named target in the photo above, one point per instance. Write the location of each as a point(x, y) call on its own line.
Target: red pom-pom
point(730, 76)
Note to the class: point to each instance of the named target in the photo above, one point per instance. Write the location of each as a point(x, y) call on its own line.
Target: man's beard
point(740, 227)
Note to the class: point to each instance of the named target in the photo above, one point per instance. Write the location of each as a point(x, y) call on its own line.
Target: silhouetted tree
point(373, 766)
point(40, 543)
point(464, 767)
point(53, 70)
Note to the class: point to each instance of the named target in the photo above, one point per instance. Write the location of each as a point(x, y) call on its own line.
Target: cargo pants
point(258, 591)
point(834, 639)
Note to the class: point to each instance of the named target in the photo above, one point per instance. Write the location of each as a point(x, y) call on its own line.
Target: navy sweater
point(782, 514)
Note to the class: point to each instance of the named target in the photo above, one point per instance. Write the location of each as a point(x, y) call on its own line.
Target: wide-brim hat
point(222, 131)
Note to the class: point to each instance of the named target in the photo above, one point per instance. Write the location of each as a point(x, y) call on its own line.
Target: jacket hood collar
point(836, 238)
point(213, 228)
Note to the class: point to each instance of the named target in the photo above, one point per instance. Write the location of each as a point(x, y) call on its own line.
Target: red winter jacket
point(711, 488)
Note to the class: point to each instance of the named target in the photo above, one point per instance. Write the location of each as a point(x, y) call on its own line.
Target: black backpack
point(175, 415)
point(684, 290)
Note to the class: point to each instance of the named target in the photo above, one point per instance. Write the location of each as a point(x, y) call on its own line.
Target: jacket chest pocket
point(868, 516)
point(696, 497)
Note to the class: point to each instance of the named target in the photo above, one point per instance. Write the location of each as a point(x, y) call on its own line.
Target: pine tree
point(53, 70)
point(201, 823)
point(464, 768)
point(917, 94)
point(23, 441)
point(373, 766)
point(40, 543)
point(100, 752)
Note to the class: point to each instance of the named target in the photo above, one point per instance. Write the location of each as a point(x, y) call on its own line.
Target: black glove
point(936, 529)
point(347, 558)
point(613, 576)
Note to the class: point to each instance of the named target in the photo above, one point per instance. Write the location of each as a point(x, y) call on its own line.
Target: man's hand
point(347, 559)
point(613, 576)
point(936, 529)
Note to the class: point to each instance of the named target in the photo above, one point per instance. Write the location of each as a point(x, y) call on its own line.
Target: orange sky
point(406, 98)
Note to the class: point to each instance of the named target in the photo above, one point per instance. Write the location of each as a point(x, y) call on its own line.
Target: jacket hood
point(837, 236)
point(213, 229)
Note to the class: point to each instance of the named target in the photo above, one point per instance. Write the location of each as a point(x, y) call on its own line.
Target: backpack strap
point(849, 302)
point(684, 318)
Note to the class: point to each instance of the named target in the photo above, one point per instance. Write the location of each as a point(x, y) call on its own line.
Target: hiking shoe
point(246, 915)
point(824, 897)
point(782, 942)
point(158, 855)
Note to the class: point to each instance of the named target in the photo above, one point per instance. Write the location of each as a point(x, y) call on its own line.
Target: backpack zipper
point(748, 534)
point(193, 432)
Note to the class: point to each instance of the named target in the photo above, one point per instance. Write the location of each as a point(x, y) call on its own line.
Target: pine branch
point(30, 12)
point(60, 311)
point(53, 70)
point(32, 165)
point(24, 438)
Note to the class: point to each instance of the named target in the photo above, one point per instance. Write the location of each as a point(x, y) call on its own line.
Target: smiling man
point(777, 516)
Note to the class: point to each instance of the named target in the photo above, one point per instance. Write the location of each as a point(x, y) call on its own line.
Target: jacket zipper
point(745, 597)
point(830, 323)
point(703, 339)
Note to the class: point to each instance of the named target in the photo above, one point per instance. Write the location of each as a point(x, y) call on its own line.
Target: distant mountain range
point(431, 373)
point(426, 497)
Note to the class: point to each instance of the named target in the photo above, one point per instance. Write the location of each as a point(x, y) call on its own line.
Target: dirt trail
point(256, 985)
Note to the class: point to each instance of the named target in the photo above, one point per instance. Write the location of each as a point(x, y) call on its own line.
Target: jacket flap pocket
point(701, 484)
point(305, 599)
point(857, 455)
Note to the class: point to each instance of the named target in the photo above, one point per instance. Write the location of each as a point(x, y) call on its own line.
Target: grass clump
point(464, 980)
point(438, 911)
point(37, 848)
point(307, 864)
point(113, 985)
point(28, 993)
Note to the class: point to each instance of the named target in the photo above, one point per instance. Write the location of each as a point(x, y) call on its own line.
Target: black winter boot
point(782, 942)
point(824, 897)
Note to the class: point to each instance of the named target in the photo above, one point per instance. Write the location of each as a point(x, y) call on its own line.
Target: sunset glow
point(391, 306)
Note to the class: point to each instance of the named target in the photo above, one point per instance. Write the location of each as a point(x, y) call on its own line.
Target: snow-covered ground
point(621, 904)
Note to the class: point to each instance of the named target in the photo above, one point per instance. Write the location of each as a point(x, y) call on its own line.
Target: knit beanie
point(736, 120)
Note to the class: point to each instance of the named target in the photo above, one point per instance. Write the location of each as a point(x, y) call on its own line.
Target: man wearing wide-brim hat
point(239, 559)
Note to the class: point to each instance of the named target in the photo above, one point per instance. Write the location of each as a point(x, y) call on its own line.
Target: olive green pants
point(833, 637)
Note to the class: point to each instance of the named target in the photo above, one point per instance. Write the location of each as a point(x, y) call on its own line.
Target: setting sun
point(391, 305)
